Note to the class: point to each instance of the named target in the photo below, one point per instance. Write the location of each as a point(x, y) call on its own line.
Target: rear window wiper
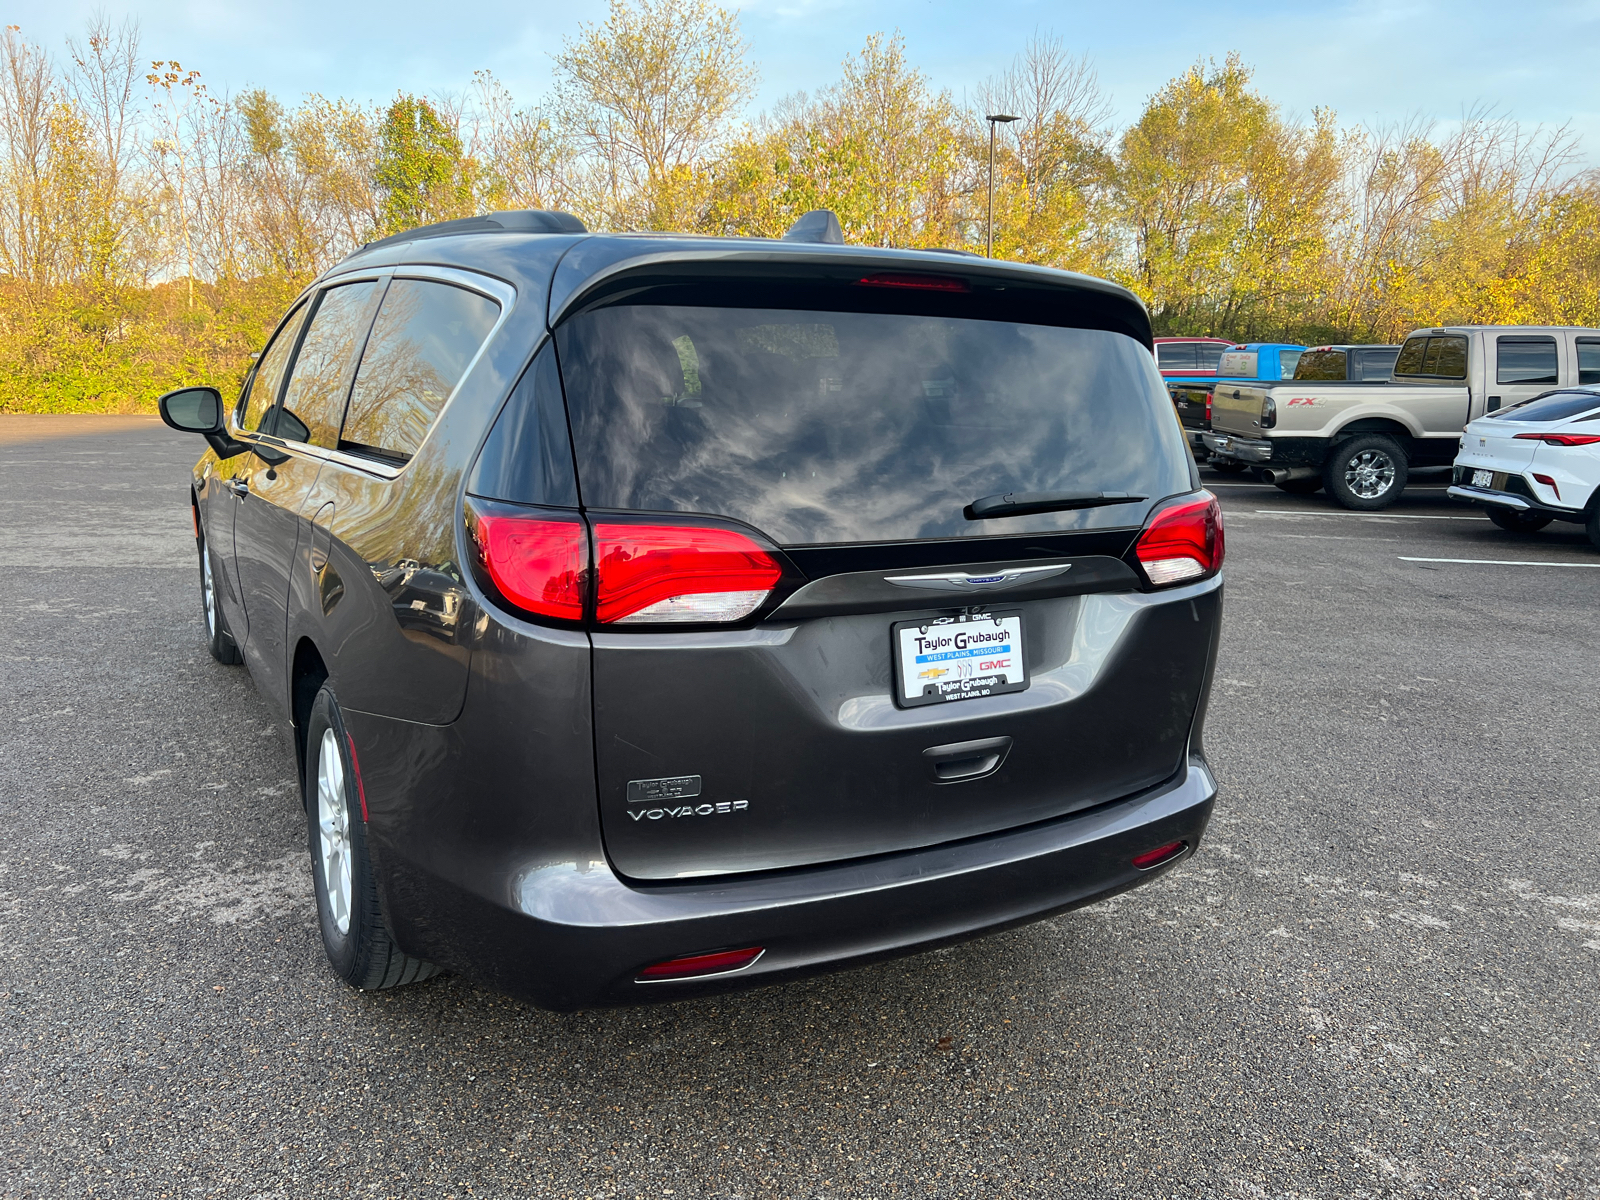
point(1020, 504)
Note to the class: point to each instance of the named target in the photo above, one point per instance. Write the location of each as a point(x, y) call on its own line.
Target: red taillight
point(539, 563)
point(921, 283)
point(1182, 543)
point(695, 966)
point(1549, 483)
point(1161, 854)
point(1560, 439)
point(678, 574)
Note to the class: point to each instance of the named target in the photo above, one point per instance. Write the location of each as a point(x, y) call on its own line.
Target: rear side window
point(1239, 364)
point(1321, 364)
point(1374, 364)
point(313, 405)
point(1589, 360)
point(268, 379)
point(820, 427)
point(1441, 356)
point(425, 337)
point(1525, 360)
point(1176, 356)
point(528, 456)
point(1552, 406)
point(1287, 361)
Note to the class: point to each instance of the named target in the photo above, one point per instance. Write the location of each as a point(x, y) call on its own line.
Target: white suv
point(1535, 462)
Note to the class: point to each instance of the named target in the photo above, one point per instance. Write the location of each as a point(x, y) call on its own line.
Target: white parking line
point(1499, 562)
point(1352, 516)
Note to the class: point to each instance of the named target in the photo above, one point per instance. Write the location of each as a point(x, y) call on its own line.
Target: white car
point(1535, 462)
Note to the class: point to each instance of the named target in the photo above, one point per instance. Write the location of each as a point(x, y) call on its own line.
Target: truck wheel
point(348, 909)
point(1366, 472)
point(1513, 521)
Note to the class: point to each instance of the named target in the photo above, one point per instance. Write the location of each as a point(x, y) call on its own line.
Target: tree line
point(153, 229)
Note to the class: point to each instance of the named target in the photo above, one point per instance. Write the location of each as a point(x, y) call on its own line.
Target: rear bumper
point(1240, 449)
point(575, 935)
point(1481, 495)
point(1488, 496)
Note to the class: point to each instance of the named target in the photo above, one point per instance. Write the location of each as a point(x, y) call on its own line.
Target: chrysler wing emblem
point(963, 581)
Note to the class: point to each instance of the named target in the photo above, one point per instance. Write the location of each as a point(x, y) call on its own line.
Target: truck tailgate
point(1236, 408)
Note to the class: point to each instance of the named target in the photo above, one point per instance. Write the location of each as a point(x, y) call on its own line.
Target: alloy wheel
point(1369, 474)
point(208, 592)
point(333, 826)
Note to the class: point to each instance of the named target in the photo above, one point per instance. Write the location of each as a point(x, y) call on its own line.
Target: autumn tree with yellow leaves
point(152, 228)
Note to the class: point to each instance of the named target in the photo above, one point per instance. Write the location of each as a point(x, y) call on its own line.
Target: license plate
point(1483, 479)
point(943, 659)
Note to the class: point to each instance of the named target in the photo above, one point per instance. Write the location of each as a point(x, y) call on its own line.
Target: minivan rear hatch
point(949, 479)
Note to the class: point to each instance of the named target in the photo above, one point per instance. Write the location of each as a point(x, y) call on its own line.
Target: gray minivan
point(658, 615)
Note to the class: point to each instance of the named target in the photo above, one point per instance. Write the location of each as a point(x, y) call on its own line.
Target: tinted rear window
point(1552, 406)
point(1526, 360)
point(1176, 356)
point(1320, 364)
point(1438, 356)
point(1373, 364)
point(818, 427)
point(424, 339)
point(1208, 354)
point(1589, 360)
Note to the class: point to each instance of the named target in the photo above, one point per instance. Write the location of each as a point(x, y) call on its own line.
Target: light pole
point(993, 119)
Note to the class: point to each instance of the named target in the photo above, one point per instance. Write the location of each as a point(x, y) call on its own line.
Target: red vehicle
point(1189, 357)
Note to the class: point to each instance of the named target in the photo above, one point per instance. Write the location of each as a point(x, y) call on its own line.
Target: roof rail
point(528, 220)
point(818, 225)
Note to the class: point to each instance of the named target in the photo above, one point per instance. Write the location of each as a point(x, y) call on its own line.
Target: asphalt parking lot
point(1377, 978)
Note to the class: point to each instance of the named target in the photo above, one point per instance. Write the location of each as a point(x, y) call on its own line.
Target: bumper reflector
point(696, 966)
point(1161, 854)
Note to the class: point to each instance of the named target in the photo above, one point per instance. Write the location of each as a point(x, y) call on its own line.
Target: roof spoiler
point(818, 225)
point(528, 220)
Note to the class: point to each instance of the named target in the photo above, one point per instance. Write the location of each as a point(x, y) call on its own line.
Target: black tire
point(219, 639)
point(1300, 487)
point(1226, 466)
point(362, 952)
point(1513, 521)
point(1366, 472)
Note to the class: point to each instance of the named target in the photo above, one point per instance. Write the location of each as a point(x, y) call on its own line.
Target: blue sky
point(1373, 61)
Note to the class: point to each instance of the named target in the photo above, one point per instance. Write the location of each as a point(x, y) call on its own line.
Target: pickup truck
point(1248, 363)
point(1360, 439)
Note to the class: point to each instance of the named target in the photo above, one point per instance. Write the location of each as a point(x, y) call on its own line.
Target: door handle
point(239, 487)
point(961, 761)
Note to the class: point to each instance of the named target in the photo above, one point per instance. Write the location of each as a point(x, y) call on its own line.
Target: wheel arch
point(1384, 425)
point(307, 673)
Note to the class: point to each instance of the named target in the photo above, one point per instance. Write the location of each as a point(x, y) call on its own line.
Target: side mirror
point(199, 410)
point(192, 410)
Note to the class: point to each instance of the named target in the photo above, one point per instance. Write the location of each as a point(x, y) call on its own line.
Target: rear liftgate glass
point(859, 581)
